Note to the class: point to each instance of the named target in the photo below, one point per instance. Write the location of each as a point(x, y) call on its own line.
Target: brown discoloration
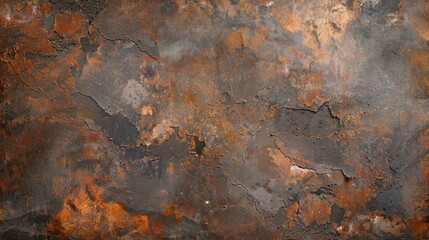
point(220, 119)
point(291, 211)
point(68, 24)
point(309, 85)
point(352, 197)
point(419, 227)
point(170, 169)
point(313, 209)
point(424, 160)
point(419, 59)
point(142, 223)
point(86, 215)
point(373, 222)
point(234, 41)
point(417, 18)
point(290, 172)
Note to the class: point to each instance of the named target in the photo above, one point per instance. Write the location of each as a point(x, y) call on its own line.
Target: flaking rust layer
point(198, 119)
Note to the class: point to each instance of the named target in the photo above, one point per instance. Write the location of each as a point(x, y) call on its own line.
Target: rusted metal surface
point(126, 119)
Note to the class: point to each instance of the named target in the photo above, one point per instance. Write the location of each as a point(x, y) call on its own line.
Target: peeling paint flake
point(220, 119)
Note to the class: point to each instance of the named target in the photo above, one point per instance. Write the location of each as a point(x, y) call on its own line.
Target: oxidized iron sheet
point(214, 119)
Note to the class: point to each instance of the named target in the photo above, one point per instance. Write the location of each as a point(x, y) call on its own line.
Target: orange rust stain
point(257, 38)
point(45, 8)
point(279, 159)
point(89, 152)
point(106, 178)
point(157, 228)
point(93, 60)
point(20, 64)
point(418, 19)
point(85, 214)
point(290, 173)
point(92, 30)
point(142, 223)
point(315, 210)
point(419, 227)
point(170, 169)
point(419, 60)
point(160, 133)
point(309, 98)
point(41, 105)
point(424, 161)
point(425, 85)
point(287, 19)
point(116, 214)
point(36, 39)
point(351, 197)
point(290, 211)
point(68, 24)
point(170, 209)
point(190, 97)
point(234, 41)
point(147, 110)
point(309, 85)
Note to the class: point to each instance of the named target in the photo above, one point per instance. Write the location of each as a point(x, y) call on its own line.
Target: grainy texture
point(214, 119)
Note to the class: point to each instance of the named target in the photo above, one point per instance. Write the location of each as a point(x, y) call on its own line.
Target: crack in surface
point(127, 39)
point(325, 104)
point(21, 79)
point(248, 195)
point(117, 126)
point(294, 163)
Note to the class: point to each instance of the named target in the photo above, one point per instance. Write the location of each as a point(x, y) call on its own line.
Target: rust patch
point(220, 119)
point(68, 24)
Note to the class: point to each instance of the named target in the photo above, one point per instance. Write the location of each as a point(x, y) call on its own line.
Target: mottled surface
point(214, 119)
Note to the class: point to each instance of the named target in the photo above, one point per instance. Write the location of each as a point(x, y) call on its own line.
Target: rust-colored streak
point(220, 119)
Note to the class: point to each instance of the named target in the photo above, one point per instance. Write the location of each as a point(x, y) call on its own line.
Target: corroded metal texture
point(198, 119)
